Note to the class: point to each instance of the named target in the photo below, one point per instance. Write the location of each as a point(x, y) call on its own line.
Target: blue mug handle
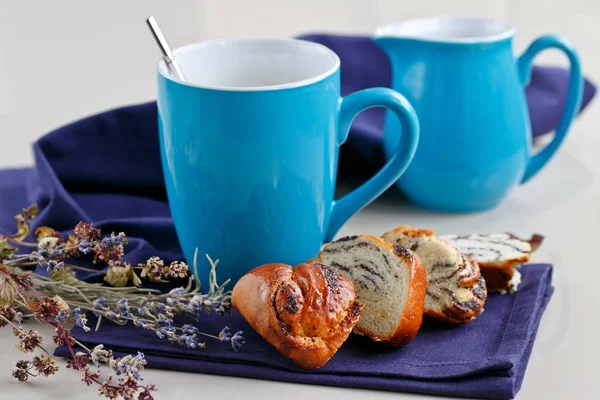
point(350, 106)
point(575, 93)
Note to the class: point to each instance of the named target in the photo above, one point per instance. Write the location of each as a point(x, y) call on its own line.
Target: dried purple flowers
point(42, 365)
point(39, 366)
point(56, 312)
point(61, 300)
point(28, 341)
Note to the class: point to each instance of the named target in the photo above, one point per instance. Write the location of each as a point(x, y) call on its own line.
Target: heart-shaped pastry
point(305, 312)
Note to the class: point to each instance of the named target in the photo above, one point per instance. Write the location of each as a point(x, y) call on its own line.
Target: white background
point(62, 60)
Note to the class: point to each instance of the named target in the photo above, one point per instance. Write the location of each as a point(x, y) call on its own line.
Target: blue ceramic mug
point(466, 85)
point(249, 146)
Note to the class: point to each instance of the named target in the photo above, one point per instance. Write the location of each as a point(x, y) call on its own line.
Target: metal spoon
point(161, 40)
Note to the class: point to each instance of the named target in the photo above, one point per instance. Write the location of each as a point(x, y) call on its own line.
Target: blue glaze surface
point(475, 131)
point(250, 175)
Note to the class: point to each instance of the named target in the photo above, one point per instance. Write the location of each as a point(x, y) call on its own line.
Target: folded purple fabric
point(485, 359)
point(364, 65)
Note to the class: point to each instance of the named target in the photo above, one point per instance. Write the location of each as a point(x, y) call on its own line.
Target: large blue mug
point(249, 145)
point(466, 85)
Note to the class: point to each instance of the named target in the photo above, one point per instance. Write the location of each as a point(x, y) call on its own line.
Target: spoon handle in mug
point(161, 40)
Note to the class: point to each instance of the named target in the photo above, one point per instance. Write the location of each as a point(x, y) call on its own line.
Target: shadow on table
point(564, 178)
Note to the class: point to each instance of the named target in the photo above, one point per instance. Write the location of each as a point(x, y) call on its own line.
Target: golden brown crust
point(412, 317)
point(498, 274)
point(409, 323)
point(305, 312)
point(410, 232)
point(466, 301)
point(498, 277)
point(470, 271)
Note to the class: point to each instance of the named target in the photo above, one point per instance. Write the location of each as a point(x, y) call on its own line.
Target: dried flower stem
point(15, 241)
point(49, 310)
point(60, 298)
point(15, 327)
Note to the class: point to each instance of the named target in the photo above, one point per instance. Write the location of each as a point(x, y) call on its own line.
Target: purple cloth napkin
point(364, 65)
point(485, 359)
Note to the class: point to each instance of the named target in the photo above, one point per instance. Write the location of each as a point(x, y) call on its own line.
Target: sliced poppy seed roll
point(389, 280)
point(498, 255)
point(456, 291)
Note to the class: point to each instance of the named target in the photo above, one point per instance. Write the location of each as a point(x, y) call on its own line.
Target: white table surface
point(562, 203)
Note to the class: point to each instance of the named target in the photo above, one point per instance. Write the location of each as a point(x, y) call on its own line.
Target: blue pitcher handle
point(537, 162)
point(350, 106)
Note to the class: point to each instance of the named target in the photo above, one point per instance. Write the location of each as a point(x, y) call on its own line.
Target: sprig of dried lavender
point(150, 309)
point(53, 251)
point(55, 312)
point(156, 312)
point(144, 308)
point(28, 341)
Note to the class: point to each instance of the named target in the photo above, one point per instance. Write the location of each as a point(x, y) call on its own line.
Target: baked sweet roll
point(389, 280)
point(305, 312)
point(498, 255)
point(456, 291)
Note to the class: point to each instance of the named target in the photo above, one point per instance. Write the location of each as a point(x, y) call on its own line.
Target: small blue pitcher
point(467, 89)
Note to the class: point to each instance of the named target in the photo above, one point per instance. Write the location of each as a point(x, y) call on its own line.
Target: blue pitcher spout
point(391, 44)
point(393, 47)
point(408, 64)
point(395, 38)
point(402, 42)
point(386, 42)
point(398, 49)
